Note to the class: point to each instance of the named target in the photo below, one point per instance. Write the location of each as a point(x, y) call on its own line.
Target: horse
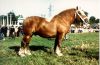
point(58, 27)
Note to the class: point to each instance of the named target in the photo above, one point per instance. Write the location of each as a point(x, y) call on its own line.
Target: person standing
point(5, 31)
point(1, 34)
point(16, 30)
point(12, 32)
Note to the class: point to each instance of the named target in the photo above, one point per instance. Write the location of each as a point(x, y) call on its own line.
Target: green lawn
point(79, 49)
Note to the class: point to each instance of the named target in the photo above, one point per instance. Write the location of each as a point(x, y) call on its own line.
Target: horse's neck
point(67, 17)
point(71, 17)
point(53, 19)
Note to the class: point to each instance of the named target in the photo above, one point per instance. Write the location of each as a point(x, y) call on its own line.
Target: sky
point(38, 7)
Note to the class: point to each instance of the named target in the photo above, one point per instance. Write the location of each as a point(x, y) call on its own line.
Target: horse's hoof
point(27, 52)
point(60, 54)
point(21, 52)
point(22, 55)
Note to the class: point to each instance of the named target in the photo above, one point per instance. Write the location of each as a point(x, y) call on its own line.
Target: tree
point(19, 16)
point(92, 20)
point(97, 21)
point(12, 16)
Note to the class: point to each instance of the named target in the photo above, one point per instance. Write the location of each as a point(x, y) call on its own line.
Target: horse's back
point(32, 20)
point(33, 23)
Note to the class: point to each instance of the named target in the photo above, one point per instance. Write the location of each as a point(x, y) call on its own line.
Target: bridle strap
point(80, 17)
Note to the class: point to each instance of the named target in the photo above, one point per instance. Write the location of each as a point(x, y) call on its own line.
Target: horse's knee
point(26, 39)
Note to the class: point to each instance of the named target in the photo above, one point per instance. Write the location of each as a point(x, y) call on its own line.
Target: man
point(1, 33)
point(12, 32)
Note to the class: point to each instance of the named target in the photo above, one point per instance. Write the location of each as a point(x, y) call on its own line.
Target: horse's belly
point(46, 34)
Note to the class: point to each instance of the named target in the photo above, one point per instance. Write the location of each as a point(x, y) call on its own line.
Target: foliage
point(79, 49)
point(97, 20)
point(12, 16)
point(92, 20)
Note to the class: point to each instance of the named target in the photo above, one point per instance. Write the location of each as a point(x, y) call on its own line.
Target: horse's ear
point(77, 8)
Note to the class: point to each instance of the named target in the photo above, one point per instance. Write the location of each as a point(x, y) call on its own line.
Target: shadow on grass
point(90, 54)
point(15, 48)
point(32, 48)
point(35, 48)
point(86, 53)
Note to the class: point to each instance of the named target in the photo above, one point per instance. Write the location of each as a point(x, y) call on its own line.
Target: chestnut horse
point(57, 27)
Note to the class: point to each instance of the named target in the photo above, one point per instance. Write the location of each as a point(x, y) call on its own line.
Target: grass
point(79, 49)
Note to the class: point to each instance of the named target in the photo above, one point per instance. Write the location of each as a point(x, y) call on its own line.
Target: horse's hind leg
point(24, 50)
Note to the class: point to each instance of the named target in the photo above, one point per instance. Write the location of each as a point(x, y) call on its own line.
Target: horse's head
point(80, 17)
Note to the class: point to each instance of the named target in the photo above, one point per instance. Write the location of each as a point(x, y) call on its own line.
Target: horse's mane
point(67, 11)
point(63, 13)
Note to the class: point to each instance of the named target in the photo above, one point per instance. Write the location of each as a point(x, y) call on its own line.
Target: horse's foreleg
point(57, 45)
point(24, 50)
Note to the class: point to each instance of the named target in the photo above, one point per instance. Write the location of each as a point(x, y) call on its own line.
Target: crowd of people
point(83, 30)
point(10, 32)
point(13, 32)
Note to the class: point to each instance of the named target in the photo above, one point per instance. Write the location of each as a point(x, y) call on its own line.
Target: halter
point(80, 17)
